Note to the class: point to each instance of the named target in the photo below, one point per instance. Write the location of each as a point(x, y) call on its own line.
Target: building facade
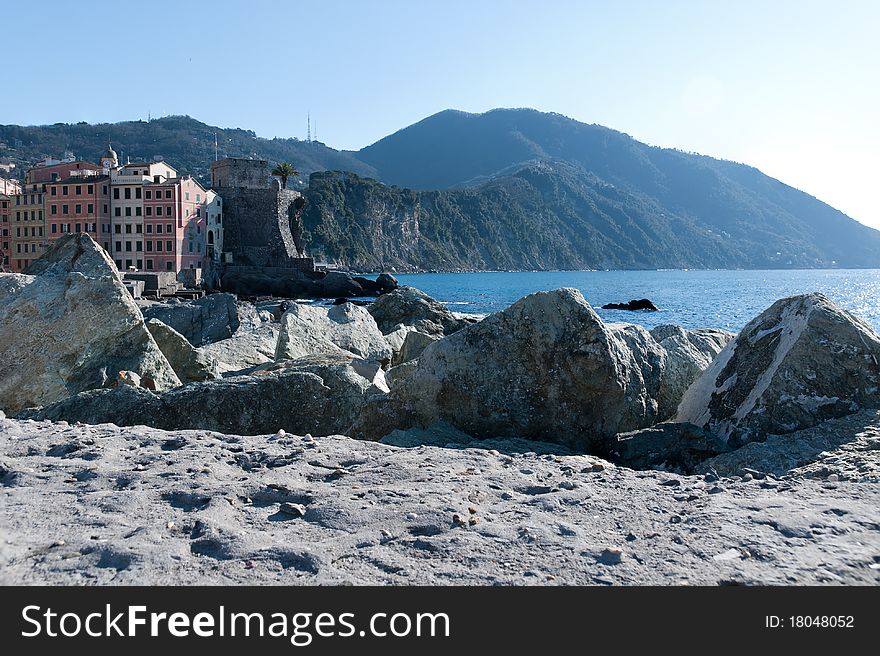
point(144, 214)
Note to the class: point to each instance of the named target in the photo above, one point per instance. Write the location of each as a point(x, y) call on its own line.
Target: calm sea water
point(693, 299)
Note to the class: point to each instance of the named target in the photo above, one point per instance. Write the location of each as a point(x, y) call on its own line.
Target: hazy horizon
point(787, 87)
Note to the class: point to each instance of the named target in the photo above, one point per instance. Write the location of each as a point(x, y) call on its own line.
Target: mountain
point(184, 142)
point(507, 189)
point(760, 215)
point(547, 215)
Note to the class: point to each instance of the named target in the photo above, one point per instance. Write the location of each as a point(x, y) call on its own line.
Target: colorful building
point(28, 232)
point(79, 204)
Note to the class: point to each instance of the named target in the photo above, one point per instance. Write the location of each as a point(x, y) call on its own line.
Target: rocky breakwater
point(292, 283)
point(547, 368)
point(69, 326)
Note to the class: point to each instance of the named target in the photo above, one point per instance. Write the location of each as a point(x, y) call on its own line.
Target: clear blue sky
point(791, 87)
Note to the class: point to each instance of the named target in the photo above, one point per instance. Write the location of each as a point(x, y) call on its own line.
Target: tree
point(285, 170)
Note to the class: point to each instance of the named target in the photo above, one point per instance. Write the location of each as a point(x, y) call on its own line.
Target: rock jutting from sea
point(534, 403)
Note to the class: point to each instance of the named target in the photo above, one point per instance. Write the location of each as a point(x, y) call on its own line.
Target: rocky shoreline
point(221, 441)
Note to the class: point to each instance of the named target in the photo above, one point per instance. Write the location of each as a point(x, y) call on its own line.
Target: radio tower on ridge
point(309, 128)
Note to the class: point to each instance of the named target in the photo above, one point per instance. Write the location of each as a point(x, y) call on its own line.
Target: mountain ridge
point(523, 189)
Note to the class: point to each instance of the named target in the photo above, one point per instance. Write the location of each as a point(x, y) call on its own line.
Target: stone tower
point(261, 221)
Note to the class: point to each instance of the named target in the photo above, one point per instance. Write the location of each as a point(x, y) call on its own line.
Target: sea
point(689, 298)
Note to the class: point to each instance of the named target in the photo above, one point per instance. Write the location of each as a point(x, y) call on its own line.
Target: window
point(78, 209)
point(90, 209)
point(79, 190)
point(117, 211)
point(159, 228)
point(63, 192)
point(187, 195)
point(90, 189)
point(64, 209)
point(78, 227)
point(118, 264)
point(53, 190)
point(140, 264)
point(137, 192)
point(137, 210)
point(168, 266)
point(105, 190)
point(149, 210)
point(149, 247)
point(41, 231)
point(128, 264)
point(128, 228)
point(118, 246)
point(53, 210)
point(149, 228)
point(128, 247)
point(168, 210)
point(127, 211)
point(159, 246)
point(115, 193)
point(54, 177)
point(54, 228)
point(169, 245)
point(127, 193)
point(148, 195)
point(168, 228)
point(167, 193)
point(138, 246)
point(106, 210)
point(199, 211)
point(198, 198)
point(159, 210)
point(149, 264)
point(190, 247)
point(139, 228)
point(117, 229)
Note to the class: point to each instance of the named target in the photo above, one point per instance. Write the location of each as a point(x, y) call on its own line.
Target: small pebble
point(411, 516)
point(716, 489)
point(833, 478)
point(748, 477)
point(611, 555)
point(630, 537)
point(281, 433)
point(457, 520)
point(710, 477)
point(671, 482)
point(675, 519)
point(292, 509)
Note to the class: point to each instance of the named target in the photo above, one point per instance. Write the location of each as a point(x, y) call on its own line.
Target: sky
point(791, 87)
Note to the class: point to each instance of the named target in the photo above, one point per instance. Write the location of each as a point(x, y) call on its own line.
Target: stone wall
point(257, 226)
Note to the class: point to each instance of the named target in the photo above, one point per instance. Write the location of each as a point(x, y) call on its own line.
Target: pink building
point(174, 224)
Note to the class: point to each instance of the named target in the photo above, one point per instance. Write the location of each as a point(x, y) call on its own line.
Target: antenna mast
point(216, 157)
point(309, 128)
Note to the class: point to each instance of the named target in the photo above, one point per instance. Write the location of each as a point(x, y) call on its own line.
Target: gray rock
point(244, 351)
point(337, 283)
point(546, 368)
point(801, 362)
point(320, 395)
point(410, 307)
point(413, 345)
point(678, 446)
point(688, 354)
point(314, 329)
point(10, 283)
point(189, 363)
point(73, 328)
point(202, 321)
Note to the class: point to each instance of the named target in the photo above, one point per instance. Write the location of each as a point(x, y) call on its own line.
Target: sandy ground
point(106, 505)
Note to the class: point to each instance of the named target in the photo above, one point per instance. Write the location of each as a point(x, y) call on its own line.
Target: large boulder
point(189, 363)
point(73, 328)
point(546, 368)
point(411, 307)
point(338, 283)
point(413, 345)
point(320, 395)
point(688, 354)
point(244, 351)
point(800, 362)
point(202, 321)
point(314, 329)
